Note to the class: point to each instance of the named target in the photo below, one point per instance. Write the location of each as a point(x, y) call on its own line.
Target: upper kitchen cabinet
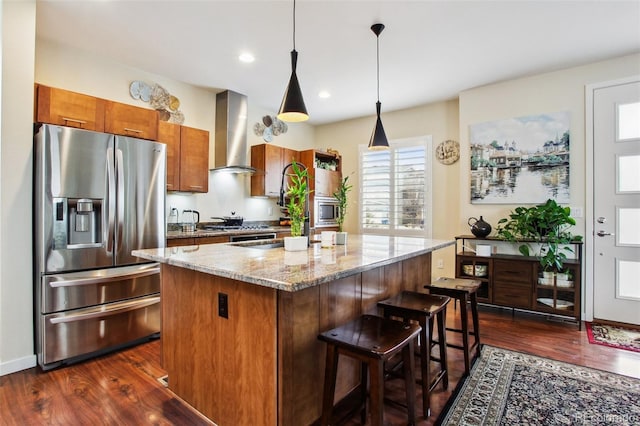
point(194, 159)
point(325, 171)
point(169, 134)
point(129, 120)
point(65, 108)
point(187, 157)
point(269, 160)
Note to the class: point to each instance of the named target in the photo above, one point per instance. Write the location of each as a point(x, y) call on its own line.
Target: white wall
point(16, 135)
point(440, 120)
point(556, 91)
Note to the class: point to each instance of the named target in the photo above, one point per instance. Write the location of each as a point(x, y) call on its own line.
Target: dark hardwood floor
point(122, 388)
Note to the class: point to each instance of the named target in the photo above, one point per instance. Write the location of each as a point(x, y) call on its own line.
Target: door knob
point(601, 219)
point(603, 233)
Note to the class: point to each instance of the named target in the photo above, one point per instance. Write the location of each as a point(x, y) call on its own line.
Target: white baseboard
point(17, 364)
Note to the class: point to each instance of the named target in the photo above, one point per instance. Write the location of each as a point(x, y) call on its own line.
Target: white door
point(616, 203)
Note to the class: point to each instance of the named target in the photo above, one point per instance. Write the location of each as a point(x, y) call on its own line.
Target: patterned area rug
point(512, 388)
point(615, 337)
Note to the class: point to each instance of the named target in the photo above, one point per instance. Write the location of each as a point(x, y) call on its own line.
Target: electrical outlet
point(223, 305)
point(576, 212)
point(440, 264)
point(270, 211)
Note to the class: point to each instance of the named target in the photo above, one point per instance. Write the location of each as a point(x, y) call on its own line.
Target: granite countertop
point(292, 271)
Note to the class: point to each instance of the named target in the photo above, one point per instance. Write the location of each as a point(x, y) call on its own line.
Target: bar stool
point(423, 308)
point(464, 290)
point(372, 340)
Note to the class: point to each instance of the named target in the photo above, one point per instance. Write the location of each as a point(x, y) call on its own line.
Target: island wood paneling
point(224, 368)
point(227, 369)
point(304, 314)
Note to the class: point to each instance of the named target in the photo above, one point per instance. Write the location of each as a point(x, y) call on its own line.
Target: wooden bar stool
point(464, 290)
point(372, 340)
point(423, 308)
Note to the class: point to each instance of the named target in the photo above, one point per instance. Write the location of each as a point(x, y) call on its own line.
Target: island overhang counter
point(240, 322)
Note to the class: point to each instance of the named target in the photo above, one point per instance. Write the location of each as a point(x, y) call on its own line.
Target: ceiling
point(429, 50)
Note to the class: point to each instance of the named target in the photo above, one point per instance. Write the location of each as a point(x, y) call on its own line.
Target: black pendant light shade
point(292, 108)
point(378, 137)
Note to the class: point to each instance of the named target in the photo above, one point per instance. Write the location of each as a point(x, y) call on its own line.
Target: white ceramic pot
point(296, 243)
point(341, 238)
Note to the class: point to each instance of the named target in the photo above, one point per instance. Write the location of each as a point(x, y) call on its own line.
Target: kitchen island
point(240, 320)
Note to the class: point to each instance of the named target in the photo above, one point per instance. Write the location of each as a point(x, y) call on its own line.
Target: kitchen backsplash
point(227, 193)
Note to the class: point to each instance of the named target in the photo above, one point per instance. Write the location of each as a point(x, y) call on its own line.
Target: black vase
point(479, 227)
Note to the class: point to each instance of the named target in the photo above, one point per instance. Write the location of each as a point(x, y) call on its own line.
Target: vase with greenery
point(298, 196)
point(341, 196)
point(547, 224)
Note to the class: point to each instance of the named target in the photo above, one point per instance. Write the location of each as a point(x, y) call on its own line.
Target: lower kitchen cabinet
point(518, 282)
point(190, 241)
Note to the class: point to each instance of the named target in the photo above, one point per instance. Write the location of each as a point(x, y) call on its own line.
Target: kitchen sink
point(260, 244)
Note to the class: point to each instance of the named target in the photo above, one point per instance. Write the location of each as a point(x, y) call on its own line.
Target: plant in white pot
point(298, 207)
point(341, 196)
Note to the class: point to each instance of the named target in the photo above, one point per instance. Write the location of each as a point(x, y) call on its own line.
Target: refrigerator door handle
point(111, 200)
point(108, 311)
point(120, 198)
point(98, 280)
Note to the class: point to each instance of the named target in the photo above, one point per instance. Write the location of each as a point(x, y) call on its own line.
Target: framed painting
point(522, 160)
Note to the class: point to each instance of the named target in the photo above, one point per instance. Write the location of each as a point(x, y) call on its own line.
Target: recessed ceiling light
point(247, 58)
point(324, 94)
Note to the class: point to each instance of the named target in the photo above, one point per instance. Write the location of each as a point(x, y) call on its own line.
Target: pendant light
point(292, 108)
point(378, 137)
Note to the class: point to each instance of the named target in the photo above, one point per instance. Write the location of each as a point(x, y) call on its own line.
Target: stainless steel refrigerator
point(97, 197)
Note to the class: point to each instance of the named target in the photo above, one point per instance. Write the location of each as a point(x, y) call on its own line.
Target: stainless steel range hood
point(232, 110)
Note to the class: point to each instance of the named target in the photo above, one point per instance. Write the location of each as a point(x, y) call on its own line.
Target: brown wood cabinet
point(269, 160)
point(128, 120)
point(194, 160)
point(190, 241)
point(187, 157)
point(66, 108)
point(517, 282)
point(323, 181)
point(169, 134)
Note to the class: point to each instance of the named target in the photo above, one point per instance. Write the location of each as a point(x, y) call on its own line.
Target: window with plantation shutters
point(395, 188)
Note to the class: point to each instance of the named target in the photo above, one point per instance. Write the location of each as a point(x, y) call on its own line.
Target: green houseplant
point(298, 195)
point(547, 224)
point(341, 196)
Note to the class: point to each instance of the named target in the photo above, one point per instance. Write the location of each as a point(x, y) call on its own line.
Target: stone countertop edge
point(295, 279)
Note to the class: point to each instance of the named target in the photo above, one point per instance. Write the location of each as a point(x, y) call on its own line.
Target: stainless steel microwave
point(326, 211)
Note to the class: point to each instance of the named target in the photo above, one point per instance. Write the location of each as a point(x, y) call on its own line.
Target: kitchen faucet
point(306, 229)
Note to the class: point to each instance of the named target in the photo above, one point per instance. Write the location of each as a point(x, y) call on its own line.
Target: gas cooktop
point(234, 227)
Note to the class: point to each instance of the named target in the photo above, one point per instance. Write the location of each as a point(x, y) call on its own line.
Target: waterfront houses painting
point(523, 160)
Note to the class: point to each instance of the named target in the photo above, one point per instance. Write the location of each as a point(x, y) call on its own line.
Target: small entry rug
point(513, 388)
point(613, 336)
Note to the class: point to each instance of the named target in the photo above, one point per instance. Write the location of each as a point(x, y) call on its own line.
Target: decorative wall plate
point(448, 152)
point(140, 90)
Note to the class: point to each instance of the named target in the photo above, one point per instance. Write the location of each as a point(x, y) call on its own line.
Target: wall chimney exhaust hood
point(232, 111)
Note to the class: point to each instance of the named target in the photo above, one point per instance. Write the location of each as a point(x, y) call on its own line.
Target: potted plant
point(547, 224)
point(341, 196)
point(298, 195)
